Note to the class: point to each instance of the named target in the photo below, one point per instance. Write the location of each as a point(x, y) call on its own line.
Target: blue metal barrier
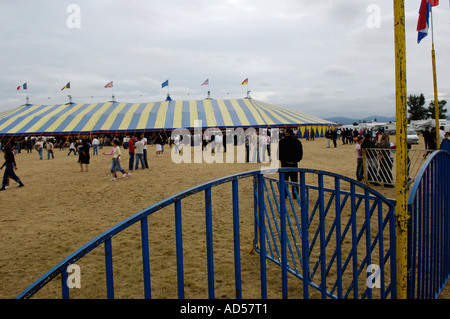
point(429, 228)
point(345, 230)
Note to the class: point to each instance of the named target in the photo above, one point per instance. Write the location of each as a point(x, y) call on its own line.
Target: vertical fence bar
point(179, 248)
point(337, 201)
point(283, 236)
point(109, 269)
point(236, 236)
point(381, 248)
point(305, 235)
point(64, 286)
point(368, 234)
point(354, 241)
point(262, 236)
point(209, 242)
point(322, 257)
point(146, 258)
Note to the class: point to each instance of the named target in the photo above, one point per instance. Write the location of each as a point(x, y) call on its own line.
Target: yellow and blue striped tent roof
point(119, 117)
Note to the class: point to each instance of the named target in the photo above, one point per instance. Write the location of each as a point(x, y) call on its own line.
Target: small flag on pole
point(23, 87)
point(245, 82)
point(66, 87)
point(206, 82)
point(109, 84)
point(165, 83)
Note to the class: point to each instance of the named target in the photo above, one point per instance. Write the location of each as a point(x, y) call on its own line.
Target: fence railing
point(380, 165)
point(337, 236)
point(429, 228)
point(333, 236)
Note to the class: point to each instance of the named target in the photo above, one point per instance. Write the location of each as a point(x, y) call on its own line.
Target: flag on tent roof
point(165, 83)
point(433, 2)
point(206, 82)
point(244, 82)
point(24, 87)
point(66, 87)
point(109, 84)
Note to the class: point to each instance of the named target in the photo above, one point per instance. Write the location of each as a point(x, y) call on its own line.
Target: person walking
point(95, 144)
point(131, 152)
point(84, 157)
point(359, 159)
point(291, 153)
point(115, 166)
point(139, 149)
point(39, 146)
point(72, 149)
point(11, 166)
point(49, 147)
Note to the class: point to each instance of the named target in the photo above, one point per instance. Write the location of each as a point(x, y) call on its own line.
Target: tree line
point(418, 111)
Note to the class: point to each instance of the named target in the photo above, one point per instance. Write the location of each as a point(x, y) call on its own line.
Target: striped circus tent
point(119, 117)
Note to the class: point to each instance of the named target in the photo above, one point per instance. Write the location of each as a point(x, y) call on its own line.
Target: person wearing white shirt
point(95, 143)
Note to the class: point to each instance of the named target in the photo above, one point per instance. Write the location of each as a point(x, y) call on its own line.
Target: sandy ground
point(61, 208)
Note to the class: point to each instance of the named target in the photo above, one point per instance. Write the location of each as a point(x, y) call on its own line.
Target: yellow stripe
point(209, 114)
point(274, 114)
point(194, 113)
point(112, 116)
point(78, 118)
point(254, 112)
point(28, 119)
point(178, 114)
point(45, 119)
point(240, 113)
point(61, 118)
point(11, 112)
point(128, 116)
point(225, 113)
point(161, 116)
point(267, 119)
point(143, 120)
point(96, 116)
point(12, 119)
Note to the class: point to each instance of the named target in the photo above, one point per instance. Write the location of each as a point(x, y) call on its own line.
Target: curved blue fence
point(338, 241)
point(429, 227)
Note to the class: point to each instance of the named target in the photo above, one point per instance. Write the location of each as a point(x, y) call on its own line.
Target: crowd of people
point(136, 146)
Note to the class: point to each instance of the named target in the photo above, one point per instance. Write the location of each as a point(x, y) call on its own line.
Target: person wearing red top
point(131, 152)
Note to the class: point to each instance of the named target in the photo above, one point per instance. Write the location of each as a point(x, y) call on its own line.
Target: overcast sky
point(323, 57)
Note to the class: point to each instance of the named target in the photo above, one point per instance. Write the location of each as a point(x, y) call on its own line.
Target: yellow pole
point(401, 210)
point(436, 102)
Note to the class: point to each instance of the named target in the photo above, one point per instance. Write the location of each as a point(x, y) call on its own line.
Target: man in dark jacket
point(290, 153)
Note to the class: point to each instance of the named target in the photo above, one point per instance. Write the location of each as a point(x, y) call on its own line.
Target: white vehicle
point(411, 136)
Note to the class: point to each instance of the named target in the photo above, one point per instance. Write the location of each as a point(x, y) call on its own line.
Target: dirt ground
point(61, 208)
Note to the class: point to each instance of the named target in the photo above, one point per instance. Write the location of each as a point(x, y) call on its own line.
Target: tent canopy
point(119, 117)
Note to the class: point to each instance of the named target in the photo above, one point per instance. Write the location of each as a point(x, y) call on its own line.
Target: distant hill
point(369, 119)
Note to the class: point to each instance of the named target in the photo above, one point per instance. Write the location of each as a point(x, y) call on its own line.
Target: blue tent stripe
point(170, 113)
point(19, 120)
point(233, 114)
point(81, 124)
point(185, 115)
point(218, 115)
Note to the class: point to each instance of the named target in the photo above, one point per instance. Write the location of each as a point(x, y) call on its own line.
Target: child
point(10, 163)
point(116, 161)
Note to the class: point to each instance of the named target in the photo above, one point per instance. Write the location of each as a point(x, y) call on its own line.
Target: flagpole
point(436, 101)
point(401, 207)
